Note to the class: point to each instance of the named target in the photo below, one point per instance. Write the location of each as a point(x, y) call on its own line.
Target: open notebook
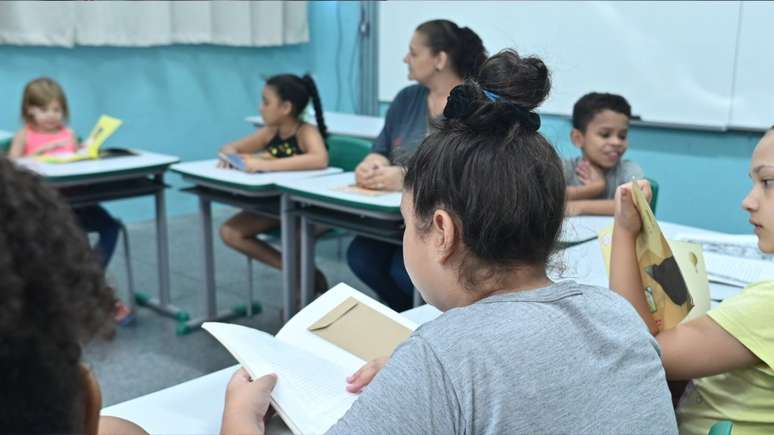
point(314, 353)
point(106, 126)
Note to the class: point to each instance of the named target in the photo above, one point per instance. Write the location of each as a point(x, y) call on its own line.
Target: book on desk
point(314, 353)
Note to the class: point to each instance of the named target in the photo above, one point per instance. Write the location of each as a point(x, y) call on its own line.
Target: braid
point(317, 103)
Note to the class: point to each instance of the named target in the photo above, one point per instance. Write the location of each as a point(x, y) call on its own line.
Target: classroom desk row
point(171, 410)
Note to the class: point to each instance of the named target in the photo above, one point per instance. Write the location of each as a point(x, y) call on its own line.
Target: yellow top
point(743, 396)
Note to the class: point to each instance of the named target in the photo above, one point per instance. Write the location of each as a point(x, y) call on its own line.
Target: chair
point(723, 427)
point(5, 145)
point(654, 190)
point(344, 152)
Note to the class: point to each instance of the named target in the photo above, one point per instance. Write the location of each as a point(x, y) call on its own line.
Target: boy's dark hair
point(53, 297)
point(298, 91)
point(592, 103)
point(490, 169)
point(465, 49)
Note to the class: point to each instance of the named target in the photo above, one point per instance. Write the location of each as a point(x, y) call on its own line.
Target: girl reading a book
point(728, 352)
point(53, 299)
point(45, 113)
point(285, 143)
point(513, 352)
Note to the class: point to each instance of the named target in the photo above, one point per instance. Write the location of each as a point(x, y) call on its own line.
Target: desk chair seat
point(654, 190)
point(721, 428)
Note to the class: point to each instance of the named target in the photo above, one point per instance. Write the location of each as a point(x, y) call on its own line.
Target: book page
point(296, 331)
point(310, 393)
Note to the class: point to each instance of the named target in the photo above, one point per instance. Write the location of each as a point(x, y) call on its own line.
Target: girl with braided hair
point(285, 143)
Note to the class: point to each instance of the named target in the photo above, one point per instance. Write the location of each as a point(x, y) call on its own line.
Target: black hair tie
point(461, 103)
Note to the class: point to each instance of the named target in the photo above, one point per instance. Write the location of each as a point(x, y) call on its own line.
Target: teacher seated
point(441, 55)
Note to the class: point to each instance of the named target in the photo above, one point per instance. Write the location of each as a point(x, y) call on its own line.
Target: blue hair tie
point(491, 95)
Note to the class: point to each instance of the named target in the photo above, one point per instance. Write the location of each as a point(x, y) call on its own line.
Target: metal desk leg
point(210, 298)
point(162, 304)
point(307, 261)
point(289, 256)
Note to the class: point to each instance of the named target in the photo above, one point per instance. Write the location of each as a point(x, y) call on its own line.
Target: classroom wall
point(187, 100)
point(184, 100)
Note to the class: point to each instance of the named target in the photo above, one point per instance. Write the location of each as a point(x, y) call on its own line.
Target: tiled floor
point(149, 356)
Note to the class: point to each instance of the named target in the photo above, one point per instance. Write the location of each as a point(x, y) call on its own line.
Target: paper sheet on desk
point(669, 287)
point(352, 188)
point(360, 330)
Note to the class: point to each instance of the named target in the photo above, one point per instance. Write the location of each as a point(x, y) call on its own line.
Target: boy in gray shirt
point(600, 129)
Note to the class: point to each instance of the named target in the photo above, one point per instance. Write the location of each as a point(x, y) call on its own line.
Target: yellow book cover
point(106, 126)
point(674, 279)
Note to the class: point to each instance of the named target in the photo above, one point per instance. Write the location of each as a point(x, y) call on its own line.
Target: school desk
point(90, 182)
point(345, 124)
point(329, 201)
point(196, 406)
point(255, 193)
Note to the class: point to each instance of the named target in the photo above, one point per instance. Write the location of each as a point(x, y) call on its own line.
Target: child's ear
point(445, 235)
point(576, 136)
point(286, 107)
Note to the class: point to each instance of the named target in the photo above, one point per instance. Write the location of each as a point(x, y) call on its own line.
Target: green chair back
point(654, 190)
point(346, 152)
point(721, 428)
point(5, 145)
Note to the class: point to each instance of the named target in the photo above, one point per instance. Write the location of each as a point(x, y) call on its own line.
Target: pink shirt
point(37, 139)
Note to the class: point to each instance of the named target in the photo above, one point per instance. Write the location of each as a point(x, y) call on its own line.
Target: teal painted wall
point(188, 100)
point(184, 100)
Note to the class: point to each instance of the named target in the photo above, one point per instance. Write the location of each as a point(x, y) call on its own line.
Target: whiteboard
point(673, 61)
point(753, 102)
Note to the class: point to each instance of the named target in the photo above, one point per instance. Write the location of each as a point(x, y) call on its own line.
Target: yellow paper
point(667, 291)
point(691, 263)
point(106, 126)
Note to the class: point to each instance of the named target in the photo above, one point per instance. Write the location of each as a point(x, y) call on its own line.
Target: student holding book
point(441, 55)
point(53, 299)
point(513, 352)
point(285, 143)
point(729, 352)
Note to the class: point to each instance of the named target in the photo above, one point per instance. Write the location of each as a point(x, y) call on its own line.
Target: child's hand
point(571, 209)
point(365, 375)
point(627, 217)
point(247, 403)
point(591, 176)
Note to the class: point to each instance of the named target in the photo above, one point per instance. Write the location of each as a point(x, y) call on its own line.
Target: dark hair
point(592, 103)
point(53, 298)
point(492, 171)
point(464, 47)
point(40, 93)
point(298, 90)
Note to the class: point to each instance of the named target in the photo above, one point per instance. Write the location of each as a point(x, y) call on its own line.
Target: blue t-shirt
point(405, 126)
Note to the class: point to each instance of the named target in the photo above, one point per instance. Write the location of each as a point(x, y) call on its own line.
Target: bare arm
point(17, 145)
point(702, 348)
point(690, 350)
point(600, 207)
point(250, 143)
point(581, 192)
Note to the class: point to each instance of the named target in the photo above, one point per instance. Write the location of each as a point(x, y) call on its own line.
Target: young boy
point(600, 124)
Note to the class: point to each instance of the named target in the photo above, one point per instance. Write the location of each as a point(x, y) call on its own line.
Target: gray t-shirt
point(568, 358)
point(620, 174)
point(405, 125)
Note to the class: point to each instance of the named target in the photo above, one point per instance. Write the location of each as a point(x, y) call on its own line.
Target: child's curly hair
point(53, 298)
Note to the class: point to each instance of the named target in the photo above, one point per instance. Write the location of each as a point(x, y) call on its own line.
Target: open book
point(314, 353)
point(106, 126)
